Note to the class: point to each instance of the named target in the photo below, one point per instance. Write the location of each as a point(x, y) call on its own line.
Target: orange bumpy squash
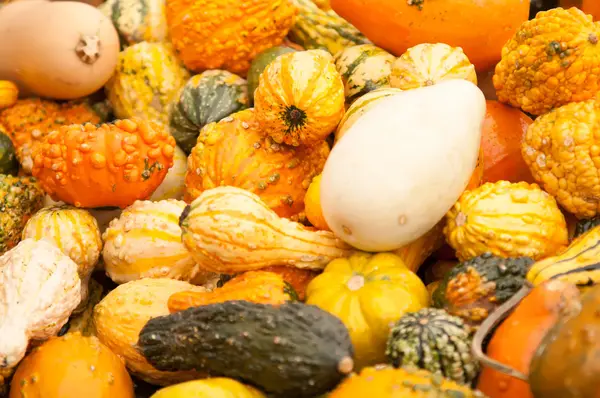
point(110, 165)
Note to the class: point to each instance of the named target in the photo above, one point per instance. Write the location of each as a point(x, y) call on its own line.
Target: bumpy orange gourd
point(296, 277)
point(550, 61)
point(300, 98)
point(9, 92)
point(110, 165)
point(226, 34)
point(233, 152)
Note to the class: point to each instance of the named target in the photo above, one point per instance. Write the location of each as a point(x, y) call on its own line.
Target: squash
point(560, 150)
point(416, 252)
point(508, 220)
point(29, 268)
point(9, 93)
point(385, 289)
point(319, 29)
point(72, 366)
point(74, 61)
point(205, 98)
point(229, 230)
point(479, 27)
point(253, 286)
point(226, 34)
point(560, 42)
point(300, 98)
point(260, 62)
point(173, 185)
point(312, 202)
point(75, 232)
point(216, 387)
point(234, 152)
point(146, 82)
point(427, 64)
point(8, 157)
point(397, 134)
point(386, 382)
point(363, 68)
point(297, 278)
point(291, 350)
point(122, 314)
point(137, 21)
point(109, 165)
point(432, 339)
point(475, 288)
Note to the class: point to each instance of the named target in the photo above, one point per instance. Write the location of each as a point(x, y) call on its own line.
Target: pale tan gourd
point(39, 289)
point(174, 182)
point(230, 230)
point(62, 49)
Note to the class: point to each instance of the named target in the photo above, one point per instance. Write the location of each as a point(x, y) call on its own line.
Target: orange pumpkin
point(502, 132)
point(110, 165)
point(297, 277)
point(480, 27)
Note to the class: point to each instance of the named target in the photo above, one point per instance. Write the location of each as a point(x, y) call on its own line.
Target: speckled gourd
point(137, 20)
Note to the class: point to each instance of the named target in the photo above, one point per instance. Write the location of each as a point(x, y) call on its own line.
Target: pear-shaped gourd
point(402, 165)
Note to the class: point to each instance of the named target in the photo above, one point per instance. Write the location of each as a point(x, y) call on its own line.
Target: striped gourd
point(137, 20)
point(75, 232)
point(173, 184)
point(145, 242)
point(363, 68)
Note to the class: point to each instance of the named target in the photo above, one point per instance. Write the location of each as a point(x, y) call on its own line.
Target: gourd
point(145, 242)
point(228, 34)
point(363, 68)
point(8, 158)
point(75, 232)
point(72, 366)
point(259, 63)
point(475, 288)
point(205, 98)
point(9, 93)
point(508, 220)
point(74, 61)
point(291, 350)
point(83, 321)
point(415, 253)
point(432, 339)
point(216, 387)
point(146, 81)
point(137, 21)
point(385, 289)
point(312, 202)
point(174, 183)
point(253, 286)
point(397, 134)
point(233, 152)
point(299, 279)
point(29, 268)
point(109, 165)
point(124, 311)
point(229, 230)
point(315, 28)
point(300, 98)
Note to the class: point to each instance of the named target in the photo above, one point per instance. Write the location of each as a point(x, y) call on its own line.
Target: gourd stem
point(489, 324)
point(88, 49)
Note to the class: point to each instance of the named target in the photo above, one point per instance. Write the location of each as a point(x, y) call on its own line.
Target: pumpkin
point(72, 366)
point(122, 314)
point(234, 152)
point(205, 98)
point(229, 230)
point(146, 81)
point(216, 387)
point(9, 93)
point(312, 201)
point(260, 62)
point(385, 289)
point(427, 64)
point(8, 158)
point(363, 68)
point(74, 61)
point(479, 27)
point(503, 130)
point(174, 183)
point(508, 220)
point(476, 287)
point(296, 277)
point(432, 339)
point(109, 165)
point(137, 21)
point(559, 42)
point(396, 134)
point(300, 98)
point(416, 252)
point(75, 232)
point(227, 34)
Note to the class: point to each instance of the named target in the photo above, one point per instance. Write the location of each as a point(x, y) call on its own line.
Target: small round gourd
point(259, 63)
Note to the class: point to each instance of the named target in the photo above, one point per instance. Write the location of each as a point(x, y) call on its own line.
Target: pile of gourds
point(297, 198)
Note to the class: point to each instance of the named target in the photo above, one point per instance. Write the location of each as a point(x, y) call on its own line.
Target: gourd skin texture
point(226, 34)
point(298, 278)
point(557, 49)
point(373, 211)
point(234, 152)
point(300, 98)
point(9, 93)
point(138, 20)
point(312, 201)
point(216, 387)
point(30, 268)
point(173, 185)
point(560, 149)
point(260, 62)
point(508, 220)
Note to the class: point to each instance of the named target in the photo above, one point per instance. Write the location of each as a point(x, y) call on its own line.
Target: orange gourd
point(478, 174)
point(312, 200)
point(110, 165)
point(298, 278)
point(9, 92)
